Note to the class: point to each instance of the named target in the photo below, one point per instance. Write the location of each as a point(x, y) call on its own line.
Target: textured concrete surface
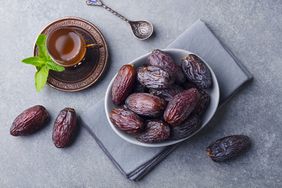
point(251, 29)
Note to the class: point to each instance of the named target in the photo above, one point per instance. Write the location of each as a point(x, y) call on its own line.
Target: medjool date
point(64, 128)
point(228, 147)
point(139, 88)
point(145, 104)
point(126, 120)
point(196, 71)
point(154, 77)
point(203, 103)
point(167, 94)
point(190, 125)
point(181, 106)
point(123, 84)
point(164, 61)
point(29, 121)
point(156, 131)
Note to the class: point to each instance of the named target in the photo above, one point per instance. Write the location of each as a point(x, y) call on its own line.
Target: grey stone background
point(251, 29)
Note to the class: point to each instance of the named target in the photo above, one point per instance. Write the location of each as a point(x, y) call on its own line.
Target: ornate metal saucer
point(91, 69)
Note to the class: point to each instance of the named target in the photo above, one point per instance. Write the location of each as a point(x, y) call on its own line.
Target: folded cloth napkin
point(135, 161)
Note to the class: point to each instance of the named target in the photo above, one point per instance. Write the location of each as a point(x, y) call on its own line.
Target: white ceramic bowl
point(177, 55)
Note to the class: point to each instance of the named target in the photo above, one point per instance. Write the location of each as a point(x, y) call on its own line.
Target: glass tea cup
point(66, 46)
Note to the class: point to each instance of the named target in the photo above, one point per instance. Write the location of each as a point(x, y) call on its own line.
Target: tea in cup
point(66, 46)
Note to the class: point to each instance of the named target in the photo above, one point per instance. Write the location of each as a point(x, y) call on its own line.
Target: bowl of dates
point(162, 98)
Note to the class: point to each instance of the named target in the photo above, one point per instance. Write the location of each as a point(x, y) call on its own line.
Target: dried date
point(164, 61)
point(181, 106)
point(156, 131)
point(126, 121)
point(65, 127)
point(145, 104)
point(203, 103)
point(154, 77)
point(123, 84)
point(196, 71)
point(139, 88)
point(167, 94)
point(228, 147)
point(29, 121)
point(190, 126)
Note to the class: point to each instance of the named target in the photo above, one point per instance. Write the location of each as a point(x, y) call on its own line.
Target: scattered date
point(228, 147)
point(65, 127)
point(29, 121)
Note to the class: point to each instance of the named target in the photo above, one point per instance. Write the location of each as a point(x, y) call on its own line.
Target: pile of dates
point(161, 100)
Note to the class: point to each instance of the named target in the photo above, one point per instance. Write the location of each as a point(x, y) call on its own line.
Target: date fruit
point(181, 106)
point(167, 94)
point(126, 120)
point(228, 147)
point(190, 125)
point(164, 61)
point(203, 103)
point(196, 71)
point(156, 131)
point(29, 121)
point(64, 128)
point(123, 84)
point(139, 88)
point(145, 104)
point(154, 77)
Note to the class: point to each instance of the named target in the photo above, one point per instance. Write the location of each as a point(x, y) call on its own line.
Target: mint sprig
point(43, 63)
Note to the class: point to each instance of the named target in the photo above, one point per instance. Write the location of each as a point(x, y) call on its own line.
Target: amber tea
point(66, 46)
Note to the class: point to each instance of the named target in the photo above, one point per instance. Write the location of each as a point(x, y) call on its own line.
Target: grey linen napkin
point(135, 161)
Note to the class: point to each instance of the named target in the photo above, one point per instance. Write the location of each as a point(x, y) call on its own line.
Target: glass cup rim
point(75, 31)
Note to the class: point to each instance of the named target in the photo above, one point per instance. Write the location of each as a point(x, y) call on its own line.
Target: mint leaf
point(36, 61)
point(41, 44)
point(53, 66)
point(41, 77)
point(43, 63)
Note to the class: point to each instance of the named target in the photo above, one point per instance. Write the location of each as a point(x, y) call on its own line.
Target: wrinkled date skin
point(156, 131)
point(181, 106)
point(167, 94)
point(123, 84)
point(139, 88)
point(154, 77)
point(126, 121)
point(228, 147)
point(203, 103)
point(64, 128)
point(29, 121)
point(164, 61)
point(196, 71)
point(190, 126)
point(145, 104)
